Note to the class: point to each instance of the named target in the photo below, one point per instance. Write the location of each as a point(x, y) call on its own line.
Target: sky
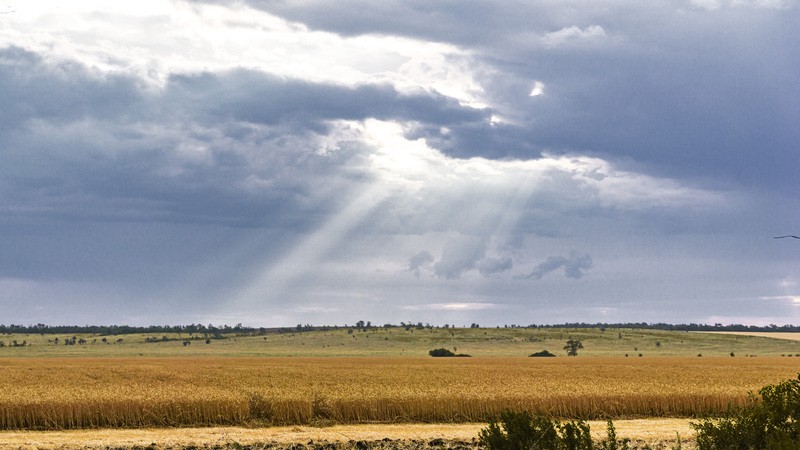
point(275, 162)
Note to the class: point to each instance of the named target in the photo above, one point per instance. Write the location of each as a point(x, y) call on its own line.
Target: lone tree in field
point(572, 347)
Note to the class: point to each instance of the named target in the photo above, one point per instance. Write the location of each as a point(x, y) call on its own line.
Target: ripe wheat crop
point(56, 393)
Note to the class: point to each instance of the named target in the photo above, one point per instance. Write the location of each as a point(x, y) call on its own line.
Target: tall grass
point(59, 393)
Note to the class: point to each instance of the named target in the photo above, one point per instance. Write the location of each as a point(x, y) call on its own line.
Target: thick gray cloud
point(419, 260)
point(459, 255)
point(226, 148)
point(489, 266)
point(254, 97)
point(574, 265)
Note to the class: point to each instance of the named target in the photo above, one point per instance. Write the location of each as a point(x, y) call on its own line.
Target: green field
point(398, 341)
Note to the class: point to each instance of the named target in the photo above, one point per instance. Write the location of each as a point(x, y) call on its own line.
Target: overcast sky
point(281, 162)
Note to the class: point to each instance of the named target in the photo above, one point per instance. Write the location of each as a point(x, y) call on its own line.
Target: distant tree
point(572, 347)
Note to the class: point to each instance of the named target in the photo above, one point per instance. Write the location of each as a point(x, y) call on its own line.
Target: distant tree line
point(676, 327)
point(239, 329)
point(111, 330)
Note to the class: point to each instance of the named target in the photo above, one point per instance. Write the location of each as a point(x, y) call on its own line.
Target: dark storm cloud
point(260, 98)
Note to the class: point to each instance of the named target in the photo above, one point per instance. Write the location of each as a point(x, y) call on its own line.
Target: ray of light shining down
point(269, 288)
point(394, 162)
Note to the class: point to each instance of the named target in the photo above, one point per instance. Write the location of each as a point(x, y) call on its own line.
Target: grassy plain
point(412, 342)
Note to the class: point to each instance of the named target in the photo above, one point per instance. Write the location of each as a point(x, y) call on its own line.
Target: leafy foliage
point(439, 352)
point(771, 424)
point(572, 347)
point(611, 442)
point(522, 431)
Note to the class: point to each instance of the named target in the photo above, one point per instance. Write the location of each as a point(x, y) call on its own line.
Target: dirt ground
point(657, 433)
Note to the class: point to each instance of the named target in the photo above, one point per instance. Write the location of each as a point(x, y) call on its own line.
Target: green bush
point(543, 353)
point(611, 442)
point(773, 423)
point(441, 352)
point(522, 431)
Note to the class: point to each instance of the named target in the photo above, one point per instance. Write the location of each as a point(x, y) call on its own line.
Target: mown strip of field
point(651, 432)
point(788, 336)
point(59, 393)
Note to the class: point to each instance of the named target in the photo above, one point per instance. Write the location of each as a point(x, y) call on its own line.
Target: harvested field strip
point(68, 393)
point(650, 431)
point(789, 336)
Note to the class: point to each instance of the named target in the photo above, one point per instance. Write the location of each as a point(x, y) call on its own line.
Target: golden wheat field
point(58, 393)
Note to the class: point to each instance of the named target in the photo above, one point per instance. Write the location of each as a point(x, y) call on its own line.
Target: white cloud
point(574, 35)
point(707, 4)
point(316, 309)
point(164, 38)
point(452, 307)
point(459, 255)
point(713, 5)
point(538, 89)
point(767, 4)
